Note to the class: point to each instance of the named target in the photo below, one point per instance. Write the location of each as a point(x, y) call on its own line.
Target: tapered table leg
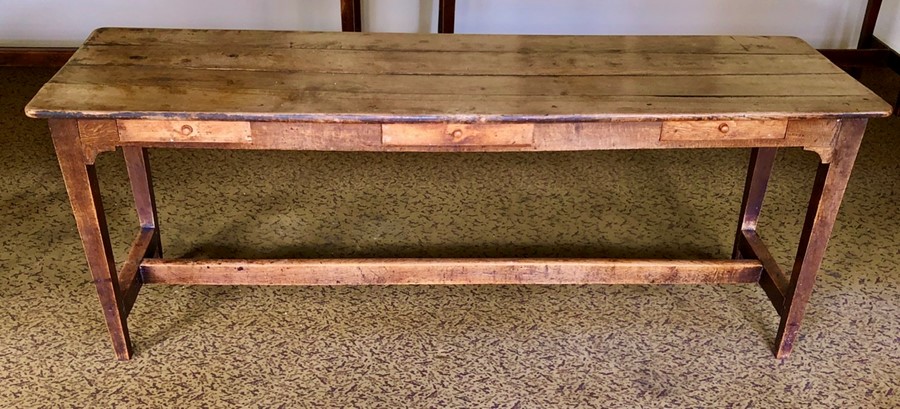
point(138, 164)
point(84, 195)
point(828, 190)
point(762, 160)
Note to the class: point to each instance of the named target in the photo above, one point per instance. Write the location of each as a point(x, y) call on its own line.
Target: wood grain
point(184, 131)
point(167, 74)
point(447, 271)
point(457, 134)
point(460, 63)
point(158, 102)
point(724, 129)
point(99, 135)
point(509, 85)
point(83, 189)
point(157, 37)
point(827, 193)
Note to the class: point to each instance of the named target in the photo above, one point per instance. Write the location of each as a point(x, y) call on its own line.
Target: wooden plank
point(461, 42)
point(725, 129)
point(35, 56)
point(447, 271)
point(822, 131)
point(398, 83)
point(129, 278)
point(473, 85)
point(159, 102)
point(184, 131)
point(228, 57)
point(812, 134)
point(457, 134)
point(592, 136)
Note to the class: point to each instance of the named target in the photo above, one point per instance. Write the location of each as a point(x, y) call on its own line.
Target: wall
point(824, 23)
point(888, 29)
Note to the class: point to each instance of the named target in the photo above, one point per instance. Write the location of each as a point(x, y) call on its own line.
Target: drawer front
point(722, 130)
point(457, 134)
point(133, 130)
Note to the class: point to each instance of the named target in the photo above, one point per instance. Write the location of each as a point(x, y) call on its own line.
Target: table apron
point(105, 135)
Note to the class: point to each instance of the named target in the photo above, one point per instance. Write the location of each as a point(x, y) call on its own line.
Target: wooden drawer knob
point(457, 136)
point(723, 128)
point(186, 130)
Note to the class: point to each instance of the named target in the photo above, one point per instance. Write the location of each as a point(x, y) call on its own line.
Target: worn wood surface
point(401, 78)
point(457, 134)
point(724, 129)
point(448, 271)
point(134, 130)
point(97, 135)
point(816, 135)
point(137, 162)
point(84, 195)
point(747, 244)
point(828, 191)
point(762, 160)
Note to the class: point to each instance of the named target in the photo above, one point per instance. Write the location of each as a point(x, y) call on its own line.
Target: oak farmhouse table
point(219, 89)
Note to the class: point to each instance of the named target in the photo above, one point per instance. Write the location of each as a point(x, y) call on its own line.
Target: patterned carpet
point(446, 346)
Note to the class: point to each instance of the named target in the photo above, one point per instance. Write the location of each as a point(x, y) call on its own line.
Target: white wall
point(888, 28)
point(824, 23)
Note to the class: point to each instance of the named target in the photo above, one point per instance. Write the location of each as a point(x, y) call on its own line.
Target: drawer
point(722, 130)
point(457, 134)
point(135, 130)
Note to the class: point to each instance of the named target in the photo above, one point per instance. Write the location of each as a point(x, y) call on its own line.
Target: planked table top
point(399, 78)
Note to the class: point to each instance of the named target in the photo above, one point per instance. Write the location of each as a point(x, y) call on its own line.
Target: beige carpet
point(431, 346)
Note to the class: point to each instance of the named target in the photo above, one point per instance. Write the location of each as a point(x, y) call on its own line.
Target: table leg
point(762, 160)
point(828, 190)
point(138, 164)
point(84, 195)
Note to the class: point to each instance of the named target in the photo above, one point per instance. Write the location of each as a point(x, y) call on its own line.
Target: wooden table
point(142, 88)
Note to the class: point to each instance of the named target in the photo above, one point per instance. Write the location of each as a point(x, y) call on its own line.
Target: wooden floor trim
point(447, 271)
point(35, 56)
point(850, 58)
